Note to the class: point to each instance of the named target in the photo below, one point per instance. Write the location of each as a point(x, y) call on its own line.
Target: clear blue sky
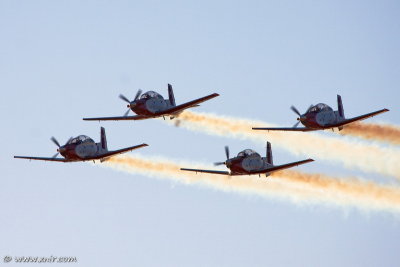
point(64, 60)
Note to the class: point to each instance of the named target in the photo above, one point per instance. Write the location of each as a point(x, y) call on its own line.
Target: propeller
point(124, 98)
point(227, 157)
point(60, 149)
point(295, 110)
point(296, 124)
point(121, 96)
point(139, 92)
point(68, 140)
point(55, 141)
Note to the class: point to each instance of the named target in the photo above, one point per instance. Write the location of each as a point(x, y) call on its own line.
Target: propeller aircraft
point(321, 117)
point(249, 162)
point(152, 105)
point(83, 148)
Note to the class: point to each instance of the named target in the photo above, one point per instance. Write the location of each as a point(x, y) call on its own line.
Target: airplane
point(321, 117)
point(249, 162)
point(152, 105)
point(83, 148)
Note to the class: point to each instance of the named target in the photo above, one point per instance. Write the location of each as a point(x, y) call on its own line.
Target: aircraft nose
point(61, 149)
point(302, 118)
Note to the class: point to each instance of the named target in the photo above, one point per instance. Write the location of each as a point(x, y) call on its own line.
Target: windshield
point(320, 107)
point(81, 139)
point(247, 153)
point(151, 94)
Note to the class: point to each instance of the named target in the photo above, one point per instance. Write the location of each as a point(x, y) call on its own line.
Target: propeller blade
point(55, 141)
point(294, 109)
point(219, 163)
point(55, 155)
point(68, 140)
point(127, 112)
point(227, 152)
point(121, 96)
point(139, 92)
point(296, 124)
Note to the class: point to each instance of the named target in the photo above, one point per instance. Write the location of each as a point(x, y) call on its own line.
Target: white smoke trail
point(297, 187)
point(352, 154)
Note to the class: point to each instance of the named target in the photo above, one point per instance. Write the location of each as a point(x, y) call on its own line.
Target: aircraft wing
point(115, 152)
point(45, 159)
point(298, 129)
point(358, 118)
point(284, 166)
point(206, 171)
point(186, 105)
point(121, 118)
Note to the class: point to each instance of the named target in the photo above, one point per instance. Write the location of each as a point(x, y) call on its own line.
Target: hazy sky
point(64, 60)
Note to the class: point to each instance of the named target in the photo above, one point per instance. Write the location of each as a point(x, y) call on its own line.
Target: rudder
point(171, 95)
point(103, 138)
point(340, 106)
point(269, 154)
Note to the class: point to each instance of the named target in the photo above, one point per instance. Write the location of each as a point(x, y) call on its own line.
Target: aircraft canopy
point(81, 139)
point(247, 153)
point(320, 107)
point(151, 94)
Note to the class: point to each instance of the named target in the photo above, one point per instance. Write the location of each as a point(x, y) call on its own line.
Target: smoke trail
point(352, 154)
point(373, 131)
point(297, 187)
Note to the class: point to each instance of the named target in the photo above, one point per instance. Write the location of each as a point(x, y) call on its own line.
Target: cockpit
point(151, 94)
point(81, 139)
point(320, 107)
point(247, 153)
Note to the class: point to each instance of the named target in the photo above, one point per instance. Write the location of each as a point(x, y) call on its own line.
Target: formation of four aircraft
point(153, 105)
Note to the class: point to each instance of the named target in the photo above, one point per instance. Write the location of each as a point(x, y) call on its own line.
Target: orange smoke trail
point(297, 187)
point(373, 131)
point(353, 154)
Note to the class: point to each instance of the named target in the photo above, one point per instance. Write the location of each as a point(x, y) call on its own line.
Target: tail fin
point(269, 153)
point(171, 95)
point(103, 138)
point(340, 106)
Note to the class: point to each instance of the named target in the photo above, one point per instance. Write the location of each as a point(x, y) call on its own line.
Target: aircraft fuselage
point(320, 119)
point(149, 106)
point(247, 165)
point(81, 151)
